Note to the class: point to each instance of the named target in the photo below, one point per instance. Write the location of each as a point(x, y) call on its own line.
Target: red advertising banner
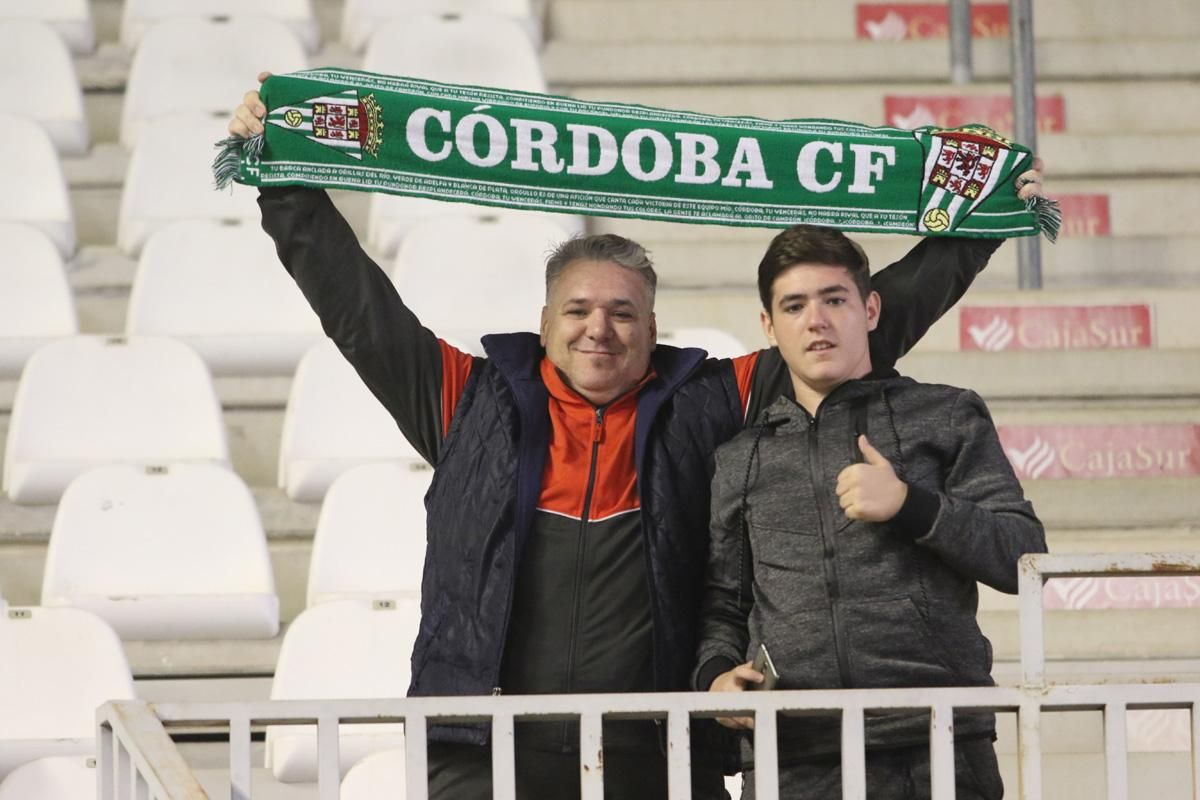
point(1084, 214)
point(894, 22)
point(952, 111)
point(1182, 591)
point(1046, 452)
point(999, 328)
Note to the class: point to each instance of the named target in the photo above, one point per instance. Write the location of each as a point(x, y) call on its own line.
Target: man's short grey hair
point(601, 247)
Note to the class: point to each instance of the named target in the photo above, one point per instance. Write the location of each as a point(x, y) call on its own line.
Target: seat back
point(59, 666)
point(138, 16)
point(346, 650)
point(86, 401)
point(201, 65)
point(502, 260)
point(163, 552)
point(379, 775)
point(370, 538)
point(28, 160)
point(36, 304)
point(71, 19)
point(52, 778)
point(361, 18)
point(35, 65)
point(477, 49)
point(169, 180)
point(222, 290)
point(333, 423)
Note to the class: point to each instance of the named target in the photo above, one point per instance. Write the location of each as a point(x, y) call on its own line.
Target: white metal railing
point(139, 760)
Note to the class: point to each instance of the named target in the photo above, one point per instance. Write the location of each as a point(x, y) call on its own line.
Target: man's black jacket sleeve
point(397, 358)
point(919, 288)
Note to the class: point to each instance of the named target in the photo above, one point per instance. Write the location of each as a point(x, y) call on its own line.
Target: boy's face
point(820, 323)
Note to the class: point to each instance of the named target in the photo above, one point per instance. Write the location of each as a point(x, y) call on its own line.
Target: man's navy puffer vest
point(486, 487)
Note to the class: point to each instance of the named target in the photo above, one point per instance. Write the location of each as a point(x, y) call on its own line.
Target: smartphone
point(762, 663)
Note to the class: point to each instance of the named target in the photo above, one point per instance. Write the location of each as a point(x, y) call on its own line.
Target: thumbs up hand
point(871, 491)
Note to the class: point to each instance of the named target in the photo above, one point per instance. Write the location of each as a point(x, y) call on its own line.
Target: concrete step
point(1087, 107)
point(717, 21)
point(583, 63)
point(1063, 374)
point(1147, 515)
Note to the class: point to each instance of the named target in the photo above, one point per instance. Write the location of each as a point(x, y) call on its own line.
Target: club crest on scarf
point(343, 121)
point(962, 167)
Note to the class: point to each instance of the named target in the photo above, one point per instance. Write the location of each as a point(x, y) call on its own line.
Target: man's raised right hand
point(247, 118)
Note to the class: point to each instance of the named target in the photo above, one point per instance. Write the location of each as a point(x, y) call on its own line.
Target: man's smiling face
point(598, 328)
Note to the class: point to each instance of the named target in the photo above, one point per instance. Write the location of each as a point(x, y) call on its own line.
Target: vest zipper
point(829, 553)
point(580, 552)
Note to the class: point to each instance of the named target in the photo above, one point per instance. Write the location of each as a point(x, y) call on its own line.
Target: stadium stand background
point(1094, 381)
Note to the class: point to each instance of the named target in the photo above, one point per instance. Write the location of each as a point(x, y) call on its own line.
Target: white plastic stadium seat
point(38, 78)
point(360, 18)
point(718, 343)
point(478, 49)
point(87, 401)
point(169, 179)
point(54, 778)
point(36, 303)
point(140, 15)
point(29, 161)
point(333, 423)
point(166, 552)
point(347, 650)
point(502, 260)
point(59, 666)
point(370, 538)
point(194, 65)
point(379, 775)
point(222, 290)
point(71, 19)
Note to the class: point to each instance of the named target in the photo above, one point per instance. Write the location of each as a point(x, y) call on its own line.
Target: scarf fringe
point(1049, 216)
point(229, 156)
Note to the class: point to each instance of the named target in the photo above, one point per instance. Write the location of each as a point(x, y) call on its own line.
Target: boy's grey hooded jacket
point(849, 604)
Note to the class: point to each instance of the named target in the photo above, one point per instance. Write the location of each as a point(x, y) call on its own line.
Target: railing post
point(1116, 762)
point(416, 759)
point(504, 766)
point(679, 755)
point(1030, 585)
point(1024, 85)
point(239, 758)
point(854, 754)
point(591, 756)
point(941, 751)
point(961, 67)
point(1029, 749)
point(766, 754)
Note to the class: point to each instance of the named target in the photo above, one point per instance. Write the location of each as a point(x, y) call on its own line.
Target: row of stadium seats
point(72, 19)
point(221, 289)
point(68, 662)
point(178, 552)
point(87, 401)
point(199, 65)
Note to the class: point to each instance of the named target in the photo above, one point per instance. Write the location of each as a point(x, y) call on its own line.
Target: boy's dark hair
point(812, 244)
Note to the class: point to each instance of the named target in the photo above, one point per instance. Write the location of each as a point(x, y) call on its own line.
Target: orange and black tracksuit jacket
point(567, 543)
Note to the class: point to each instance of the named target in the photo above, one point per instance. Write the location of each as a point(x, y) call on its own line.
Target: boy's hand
point(871, 492)
point(736, 680)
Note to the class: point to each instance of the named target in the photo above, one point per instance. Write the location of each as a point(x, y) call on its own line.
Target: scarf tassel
point(1049, 216)
point(229, 157)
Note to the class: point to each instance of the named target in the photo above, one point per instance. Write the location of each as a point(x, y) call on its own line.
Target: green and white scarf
point(346, 129)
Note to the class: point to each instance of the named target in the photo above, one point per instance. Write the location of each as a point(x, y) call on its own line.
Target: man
point(566, 518)
point(849, 527)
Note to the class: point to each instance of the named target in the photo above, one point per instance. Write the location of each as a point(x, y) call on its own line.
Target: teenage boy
point(850, 524)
